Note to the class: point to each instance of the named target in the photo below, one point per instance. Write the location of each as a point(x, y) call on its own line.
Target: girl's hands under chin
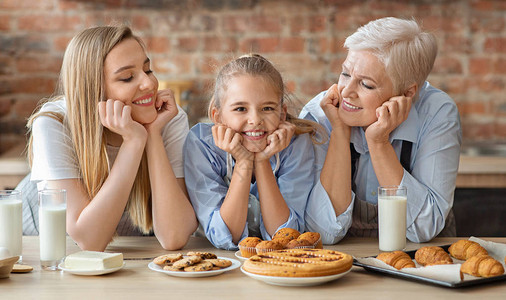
point(166, 110)
point(116, 116)
point(390, 115)
point(230, 141)
point(277, 141)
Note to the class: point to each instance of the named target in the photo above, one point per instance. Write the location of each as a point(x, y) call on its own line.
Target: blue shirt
point(205, 167)
point(433, 126)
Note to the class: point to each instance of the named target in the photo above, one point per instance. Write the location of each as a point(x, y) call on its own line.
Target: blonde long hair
point(257, 65)
point(81, 84)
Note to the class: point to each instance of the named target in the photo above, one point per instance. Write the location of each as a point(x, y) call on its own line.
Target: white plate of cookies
point(193, 264)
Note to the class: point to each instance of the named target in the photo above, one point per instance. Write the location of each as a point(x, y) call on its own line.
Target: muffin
point(286, 233)
point(299, 243)
point(267, 246)
point(313, 237)
point(247, 246)
point(283, 241)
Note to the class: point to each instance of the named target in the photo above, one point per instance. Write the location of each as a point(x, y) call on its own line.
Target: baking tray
point(395, 273)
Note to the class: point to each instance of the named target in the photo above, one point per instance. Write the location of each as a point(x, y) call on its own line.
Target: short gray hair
point(407, 52)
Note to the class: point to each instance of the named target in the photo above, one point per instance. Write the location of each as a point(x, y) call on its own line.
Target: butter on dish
point(93, 260)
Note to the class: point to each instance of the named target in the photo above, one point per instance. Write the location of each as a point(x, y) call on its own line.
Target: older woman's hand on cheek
point(277, 141)
point(329, 104)
point(390, 115)
point(116, 116)
point(166, 110)
point(230, 141)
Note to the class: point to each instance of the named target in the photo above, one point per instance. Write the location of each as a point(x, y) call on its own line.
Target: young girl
point(247, 175)
point(114, 142)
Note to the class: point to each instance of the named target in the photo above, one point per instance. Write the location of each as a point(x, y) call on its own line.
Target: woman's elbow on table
point(87, 242)
point(174, 242)
point(177, 238)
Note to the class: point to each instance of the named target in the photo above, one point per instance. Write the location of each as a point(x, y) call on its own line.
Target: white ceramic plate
point(235, 264)
point(294, 281)
point(88, 272)
point(239, 256)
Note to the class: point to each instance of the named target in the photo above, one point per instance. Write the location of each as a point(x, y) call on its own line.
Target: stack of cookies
point(192, 262)
point(285, 238)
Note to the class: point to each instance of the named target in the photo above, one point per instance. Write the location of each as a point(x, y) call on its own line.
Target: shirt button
point(373, 193)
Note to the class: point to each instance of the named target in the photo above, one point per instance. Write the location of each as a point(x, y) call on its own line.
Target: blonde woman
point(114, 142)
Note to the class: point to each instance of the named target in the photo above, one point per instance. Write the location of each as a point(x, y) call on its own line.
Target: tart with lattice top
point(299, 263)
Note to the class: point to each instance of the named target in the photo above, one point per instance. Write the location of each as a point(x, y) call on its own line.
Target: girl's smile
point(254, 134)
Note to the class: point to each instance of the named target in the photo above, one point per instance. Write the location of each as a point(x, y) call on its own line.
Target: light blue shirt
point(205, 167)
point(433, 126)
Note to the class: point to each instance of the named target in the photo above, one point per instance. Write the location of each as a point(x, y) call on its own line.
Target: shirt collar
point(408, 130)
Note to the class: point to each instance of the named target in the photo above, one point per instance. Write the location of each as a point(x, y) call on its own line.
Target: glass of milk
point(392, 203)
point(11, 221)
point(52, 227)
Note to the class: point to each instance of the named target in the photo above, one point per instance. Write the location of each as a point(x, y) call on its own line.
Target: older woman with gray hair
point(388, 126)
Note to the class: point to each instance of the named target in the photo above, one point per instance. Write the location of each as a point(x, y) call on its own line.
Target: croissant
point(465, 249)
point(396, 259)
point(482, 266)
point(432, 255)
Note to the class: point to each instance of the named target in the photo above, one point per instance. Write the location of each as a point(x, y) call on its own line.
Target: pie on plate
point(299, 263)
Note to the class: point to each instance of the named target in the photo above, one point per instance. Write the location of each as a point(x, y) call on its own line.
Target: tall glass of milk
point(52, 227)
point(392, 203)
point(11, 221)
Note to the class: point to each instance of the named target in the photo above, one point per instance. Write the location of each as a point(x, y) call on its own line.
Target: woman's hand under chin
point(390, 115)
point(166, 110)
point(116, 116)
point(329, 104)
point(277, 141)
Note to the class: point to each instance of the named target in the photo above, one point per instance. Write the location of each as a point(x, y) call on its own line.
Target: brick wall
point(189, 39)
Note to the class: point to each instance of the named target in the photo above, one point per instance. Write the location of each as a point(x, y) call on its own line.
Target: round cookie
point(186, 262)
point(199, 267)
point(218, 262)
point(165, 259)
point(204, 255)
point(267, 246)
point(247, 246)
point(171, 268)
point(286, 233)
point(313, 237)
point(18, 268)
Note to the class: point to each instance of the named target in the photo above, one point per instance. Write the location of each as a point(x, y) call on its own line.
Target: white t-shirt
point(54, 157)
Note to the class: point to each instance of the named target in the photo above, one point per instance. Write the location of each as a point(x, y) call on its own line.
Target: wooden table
point(137, 281)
